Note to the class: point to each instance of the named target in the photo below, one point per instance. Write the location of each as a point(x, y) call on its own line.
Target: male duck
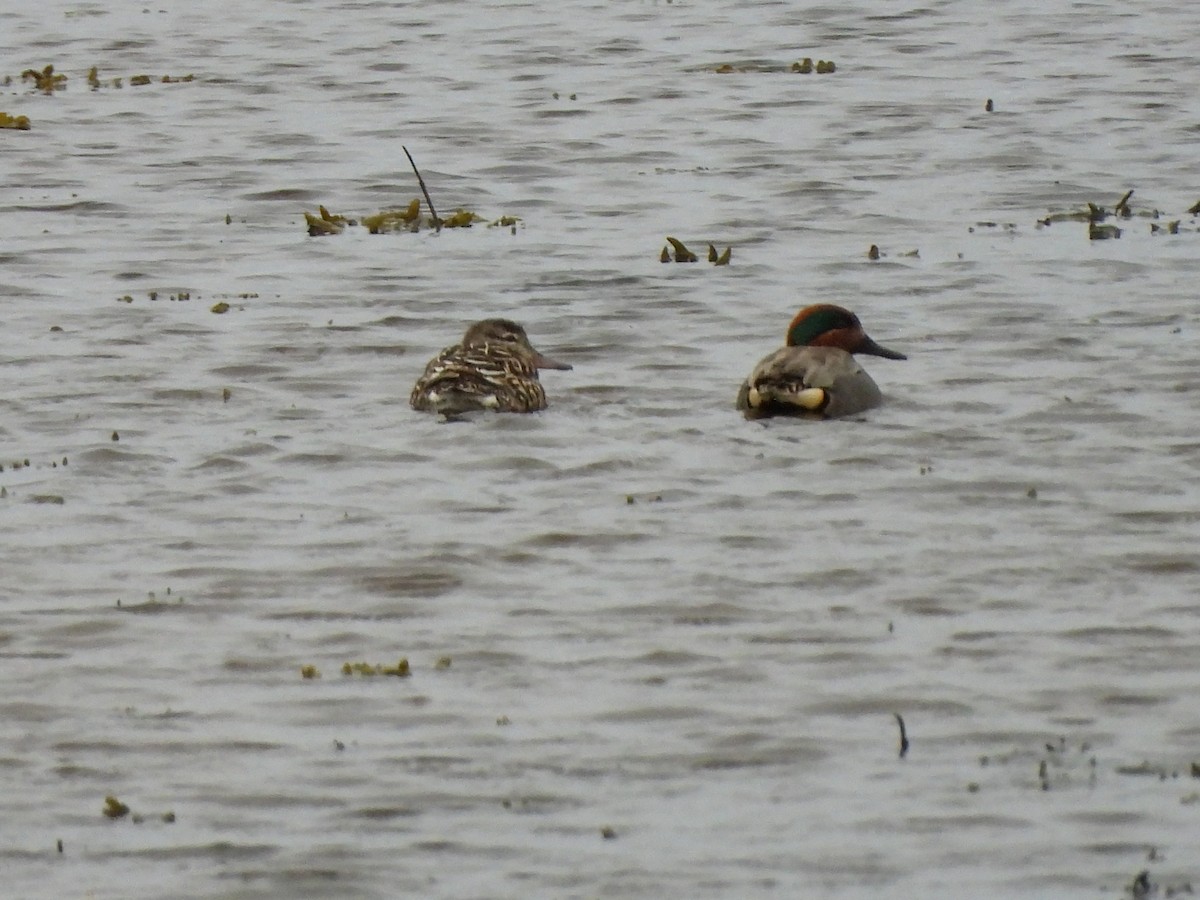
point(493, 367)
point(815, 373)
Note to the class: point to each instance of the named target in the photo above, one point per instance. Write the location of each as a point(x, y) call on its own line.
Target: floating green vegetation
point(115, 809)
point(804, 66)
point(684, 255)
point(1169, 228)
point(462, 218)
point(1093, 212)
point(47, 80)
point(222, 306)
point(96, 83)
point(1102, 232)
point(18, 123)
point(1096, 216)
point(152, 605)
point(325, 223)
point(399, 670)
point(390, 220)
point(408, 219)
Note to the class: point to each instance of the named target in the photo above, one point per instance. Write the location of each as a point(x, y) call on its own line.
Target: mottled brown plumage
point(493, 367)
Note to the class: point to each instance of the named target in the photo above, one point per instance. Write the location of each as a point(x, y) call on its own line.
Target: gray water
point(656, 650)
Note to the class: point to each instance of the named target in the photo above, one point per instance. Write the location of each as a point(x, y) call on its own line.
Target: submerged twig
point(437, 222)
point(903, 736)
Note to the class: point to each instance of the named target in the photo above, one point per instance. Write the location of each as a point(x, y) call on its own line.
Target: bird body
point(815, 373)
point(493, 367)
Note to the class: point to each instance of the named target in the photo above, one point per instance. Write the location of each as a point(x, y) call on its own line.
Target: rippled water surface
point(656, 650)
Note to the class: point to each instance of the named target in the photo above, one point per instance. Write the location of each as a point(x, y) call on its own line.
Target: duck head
point(505, 332)
point(827, 325)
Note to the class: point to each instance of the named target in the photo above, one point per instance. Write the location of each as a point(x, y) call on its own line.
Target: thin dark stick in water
point(1122, 207)
point(421, 181)
point(903, 736)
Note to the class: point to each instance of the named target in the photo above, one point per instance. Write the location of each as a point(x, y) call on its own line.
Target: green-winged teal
point(815, 374)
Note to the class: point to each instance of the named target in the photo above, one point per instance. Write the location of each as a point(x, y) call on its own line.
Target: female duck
point(493, 367)
point(815, 374)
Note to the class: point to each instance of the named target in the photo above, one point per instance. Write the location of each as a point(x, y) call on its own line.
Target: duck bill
point(874, 349)
point(545, 362)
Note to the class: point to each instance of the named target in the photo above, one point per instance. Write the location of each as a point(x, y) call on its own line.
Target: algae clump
point(18, 123)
